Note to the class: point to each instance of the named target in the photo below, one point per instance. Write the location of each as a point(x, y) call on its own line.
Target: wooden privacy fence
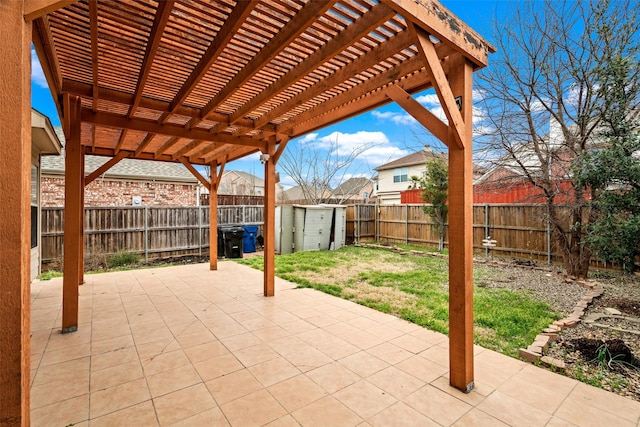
point(520, 230)
point(160, 232)
point(154, 232)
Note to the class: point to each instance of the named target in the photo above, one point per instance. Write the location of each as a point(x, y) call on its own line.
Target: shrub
point(122, 259)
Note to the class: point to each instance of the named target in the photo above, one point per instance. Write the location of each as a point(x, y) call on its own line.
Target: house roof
point(417, 158)
point(351, 187)
point(296, 193)
point(124, 169)
point(252, 179)
point(44, 138)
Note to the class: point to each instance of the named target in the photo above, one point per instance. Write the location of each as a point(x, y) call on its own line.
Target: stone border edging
point(535, 352)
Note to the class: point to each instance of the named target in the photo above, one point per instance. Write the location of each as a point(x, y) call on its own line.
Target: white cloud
point(376, 147)
point(397, 118)
point(346, 143)
point(286, 181)
point(308, 138)
point(37, 75)
point(428, 99)
point(380, 155)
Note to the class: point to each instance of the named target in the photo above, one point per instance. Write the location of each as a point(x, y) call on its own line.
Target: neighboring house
point(506, 182)
point(129, 182)
point(239, 183)
point(297, 195)
point(44, 142)
point(395, 177)
point(353, 190)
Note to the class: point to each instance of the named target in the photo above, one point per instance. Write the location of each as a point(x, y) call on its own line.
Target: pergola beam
point(290, 32)
point(34, 9)
point(425, 117)
point(196, 174)
point(441, 86)
point(144, 144)
point(95, 57)
point(119, 122)
point(85, 90)
point(401, 41)
point(184, 150)
point(168, 144)
point(435, 19)
point(105, 167)
point(312, 119)
point(237, 17)
point(353, 33)
point(160, 21)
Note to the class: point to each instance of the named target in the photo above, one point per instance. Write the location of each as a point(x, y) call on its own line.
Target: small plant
point(123, 259)
point(606, 360)
point(48, 275)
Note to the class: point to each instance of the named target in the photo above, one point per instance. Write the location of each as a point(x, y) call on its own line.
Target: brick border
point(536, 351)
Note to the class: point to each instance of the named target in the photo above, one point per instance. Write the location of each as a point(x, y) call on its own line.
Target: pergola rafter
point(205, 83)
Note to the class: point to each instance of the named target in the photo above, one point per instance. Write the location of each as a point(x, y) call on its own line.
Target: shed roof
point(202, 82)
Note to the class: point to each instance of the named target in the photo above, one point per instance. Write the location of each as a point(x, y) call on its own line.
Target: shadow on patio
point(188, 346)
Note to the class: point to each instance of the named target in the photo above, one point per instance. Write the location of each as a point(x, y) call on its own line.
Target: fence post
point(486, 227)
point(244, 215)
point(548, 236)
point(376, 221)
point(146, 233)
point(356, 225)
point(406, 225)
point(199, 230)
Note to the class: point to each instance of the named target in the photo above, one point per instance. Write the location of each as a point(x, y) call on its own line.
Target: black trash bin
point(220, 243)
point(232, 236)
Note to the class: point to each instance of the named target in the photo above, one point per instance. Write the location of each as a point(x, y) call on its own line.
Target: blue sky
point(389, 130)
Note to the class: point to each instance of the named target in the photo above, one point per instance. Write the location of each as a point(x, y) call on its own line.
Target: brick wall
point(102, 192)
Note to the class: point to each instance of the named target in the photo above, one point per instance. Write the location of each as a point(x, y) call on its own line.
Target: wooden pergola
point(208, 82)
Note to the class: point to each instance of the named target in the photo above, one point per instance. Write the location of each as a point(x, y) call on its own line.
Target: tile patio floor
point(187, 346)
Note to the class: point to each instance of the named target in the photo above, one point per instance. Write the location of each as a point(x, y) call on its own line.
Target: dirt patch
point(610, 352)
point(626, 306)
point(344, 274)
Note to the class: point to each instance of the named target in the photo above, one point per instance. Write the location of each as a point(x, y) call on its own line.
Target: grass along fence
point(153, 232)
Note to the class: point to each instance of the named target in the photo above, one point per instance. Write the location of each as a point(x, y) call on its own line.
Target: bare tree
point(543, 104)
point(317, 168)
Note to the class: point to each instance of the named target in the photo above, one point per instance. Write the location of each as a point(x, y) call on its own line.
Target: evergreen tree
point(434, 186)
point(612, 169)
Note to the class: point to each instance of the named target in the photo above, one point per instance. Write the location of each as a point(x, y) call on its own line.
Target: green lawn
point(416, 289)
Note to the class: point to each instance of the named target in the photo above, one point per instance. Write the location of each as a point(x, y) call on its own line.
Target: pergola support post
point(269, 219)
point(216, 176)
point(73, 213)
point(458, 138)
point(461, 233)
point(15, 190)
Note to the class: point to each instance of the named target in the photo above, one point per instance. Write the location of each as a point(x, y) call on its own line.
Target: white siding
point(389, 191)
